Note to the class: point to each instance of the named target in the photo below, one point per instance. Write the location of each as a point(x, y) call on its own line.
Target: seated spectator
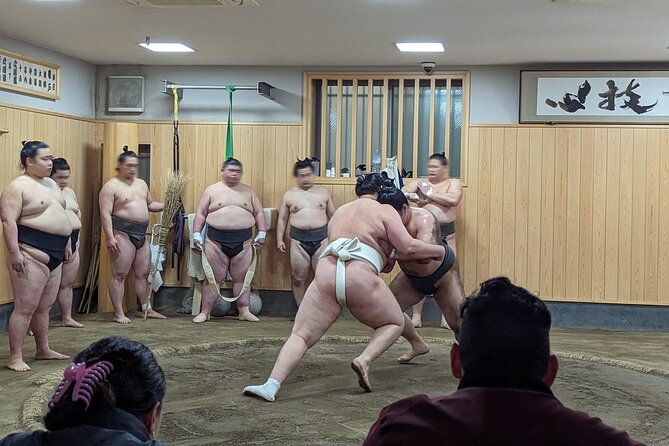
point(111, 395)
point(505, 369)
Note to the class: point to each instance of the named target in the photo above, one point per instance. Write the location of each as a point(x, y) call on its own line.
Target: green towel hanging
point(228, 139)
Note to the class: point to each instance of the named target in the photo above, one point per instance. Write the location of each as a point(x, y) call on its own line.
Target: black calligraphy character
point(571, 103)
point(610, 102)
point(633, 99)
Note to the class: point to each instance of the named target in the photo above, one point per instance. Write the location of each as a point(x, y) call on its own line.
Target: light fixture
point(166, 47)
point(420, 47)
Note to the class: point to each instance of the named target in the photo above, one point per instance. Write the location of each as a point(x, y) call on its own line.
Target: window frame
point(309, 115)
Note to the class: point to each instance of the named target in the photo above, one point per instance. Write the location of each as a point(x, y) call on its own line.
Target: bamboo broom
point(94, 264)
point(175, 185)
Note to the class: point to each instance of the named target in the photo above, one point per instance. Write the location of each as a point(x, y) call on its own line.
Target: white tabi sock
point(267, 391)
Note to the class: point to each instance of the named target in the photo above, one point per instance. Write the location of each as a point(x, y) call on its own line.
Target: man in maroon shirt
point(505, 369)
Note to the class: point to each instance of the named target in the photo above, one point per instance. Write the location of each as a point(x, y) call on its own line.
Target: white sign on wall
point(29, 75)
point(594, 97)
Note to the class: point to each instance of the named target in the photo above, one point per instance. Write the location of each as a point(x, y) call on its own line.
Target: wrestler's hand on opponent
point(19, 263)
point(113, 245)
point(388, 267)
point(281, 246)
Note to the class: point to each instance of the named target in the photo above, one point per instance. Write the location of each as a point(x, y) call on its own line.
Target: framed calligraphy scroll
point(28, 75)
point(621, 97)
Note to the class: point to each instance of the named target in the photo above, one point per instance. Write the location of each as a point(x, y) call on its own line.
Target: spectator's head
point(368, 184)
point(303, 171)
point(127, 163)
point(232, 171)
point(437, 166)
point(504, 337)
point(121, 374)
point(395, 198)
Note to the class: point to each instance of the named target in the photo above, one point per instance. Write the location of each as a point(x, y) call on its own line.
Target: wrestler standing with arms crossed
point(37, 234)
point(441, 196)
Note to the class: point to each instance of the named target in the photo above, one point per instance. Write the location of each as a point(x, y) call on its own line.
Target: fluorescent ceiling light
point(425, 47)
point(167, 47)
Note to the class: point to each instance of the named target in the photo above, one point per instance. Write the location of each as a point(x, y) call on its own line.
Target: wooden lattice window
point(364, 118)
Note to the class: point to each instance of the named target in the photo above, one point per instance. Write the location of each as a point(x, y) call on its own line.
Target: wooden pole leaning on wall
point(116, 135)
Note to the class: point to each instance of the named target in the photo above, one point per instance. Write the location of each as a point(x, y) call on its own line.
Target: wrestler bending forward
point(347, 275)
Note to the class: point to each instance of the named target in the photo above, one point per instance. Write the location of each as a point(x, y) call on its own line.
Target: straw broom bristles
point(175, 185)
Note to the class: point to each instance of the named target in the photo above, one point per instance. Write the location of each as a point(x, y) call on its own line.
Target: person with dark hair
point(418, 279)
point(505, 368)
point(60, 173)
point(37, 233)
point(111, 394)
point(440, 195)
point(368, 184)
point(230, 209)
point(309, 208)
point(347, 275)
point(125, 203)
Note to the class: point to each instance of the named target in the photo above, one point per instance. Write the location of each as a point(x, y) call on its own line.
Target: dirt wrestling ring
point(321, 404)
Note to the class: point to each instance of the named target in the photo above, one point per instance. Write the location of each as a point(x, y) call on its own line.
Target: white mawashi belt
point(346, 249)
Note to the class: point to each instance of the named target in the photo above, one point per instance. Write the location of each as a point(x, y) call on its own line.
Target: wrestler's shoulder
point(455, 181)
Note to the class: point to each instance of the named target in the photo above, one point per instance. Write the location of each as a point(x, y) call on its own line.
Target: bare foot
point(417, 321)
point(122, 319)
point(71, 323)
point(362, 371)
point(152, 314)
point(444, 324)
point(201, 318)
point(17, 365)
point(49, 354)
point(247, 316)
point(422, 349)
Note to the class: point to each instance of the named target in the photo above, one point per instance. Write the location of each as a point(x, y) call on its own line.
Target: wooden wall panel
point(589, 211)
point(267, 151)
point(72, 138)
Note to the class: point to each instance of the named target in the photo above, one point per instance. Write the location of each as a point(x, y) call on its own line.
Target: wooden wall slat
point(663, 215)
point(535, 194)
point(560, 212)
point(637, 287)
point(652, 215)
point(599, 222)
point(624, 246)
point(522, 205)
point(469, 264)
point(509, 203)
point(547, 211)
point(496, 210)
point(585, 216)
point(573, 226)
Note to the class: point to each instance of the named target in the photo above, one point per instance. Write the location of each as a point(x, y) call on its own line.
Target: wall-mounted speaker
point(125, 94)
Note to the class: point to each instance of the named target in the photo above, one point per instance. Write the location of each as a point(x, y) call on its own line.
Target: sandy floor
point(321, 403)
